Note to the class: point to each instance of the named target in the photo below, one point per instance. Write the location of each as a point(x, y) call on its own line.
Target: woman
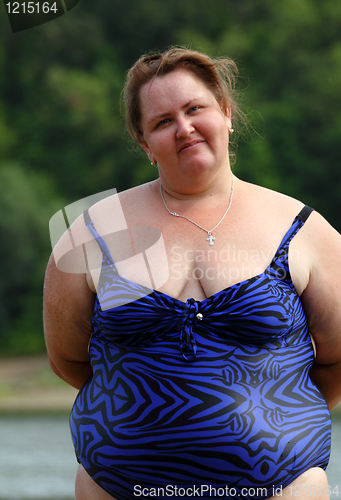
point(198, 373)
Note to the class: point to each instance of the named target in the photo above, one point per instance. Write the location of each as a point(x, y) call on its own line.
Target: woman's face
point(184, 130)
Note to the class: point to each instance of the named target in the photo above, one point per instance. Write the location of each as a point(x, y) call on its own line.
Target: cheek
point(216, 133)
point(226, 125)
point(163, 142)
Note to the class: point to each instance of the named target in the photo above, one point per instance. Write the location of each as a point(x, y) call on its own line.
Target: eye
point(193, 109)
point(163, 122)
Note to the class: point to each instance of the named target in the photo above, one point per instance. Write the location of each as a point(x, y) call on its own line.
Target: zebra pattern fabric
point(200, 394)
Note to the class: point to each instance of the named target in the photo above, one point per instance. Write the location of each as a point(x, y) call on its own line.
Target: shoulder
point(111, 214)
point(316, 235)
point(316, 231)
point(267, 198)
point(265, 207)
point(116, 212)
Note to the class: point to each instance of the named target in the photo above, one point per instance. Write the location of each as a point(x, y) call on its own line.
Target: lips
point(190, 144)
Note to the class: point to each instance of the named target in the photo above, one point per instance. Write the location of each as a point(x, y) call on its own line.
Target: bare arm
point(69, 291)
point(323, 375)
point(68, 306)
point(322, 303)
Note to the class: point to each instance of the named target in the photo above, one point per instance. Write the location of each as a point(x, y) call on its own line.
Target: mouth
point(190, 145)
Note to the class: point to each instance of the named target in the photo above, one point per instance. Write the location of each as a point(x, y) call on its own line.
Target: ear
point(148, 151)
point(145, 147)
point(227, 115)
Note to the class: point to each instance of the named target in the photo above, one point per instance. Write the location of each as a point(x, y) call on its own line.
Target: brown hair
point(219, 75)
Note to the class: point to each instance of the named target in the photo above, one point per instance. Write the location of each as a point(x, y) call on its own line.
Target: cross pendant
point(210, 239)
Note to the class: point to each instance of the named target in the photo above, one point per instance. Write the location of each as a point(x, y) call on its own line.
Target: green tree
point(27, 201)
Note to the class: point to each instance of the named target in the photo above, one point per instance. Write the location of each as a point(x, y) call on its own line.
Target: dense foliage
point(62, 136)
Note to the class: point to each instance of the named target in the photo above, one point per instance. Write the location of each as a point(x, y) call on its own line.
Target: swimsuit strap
point(295, 227)
point(280, 260)
point(107, 259)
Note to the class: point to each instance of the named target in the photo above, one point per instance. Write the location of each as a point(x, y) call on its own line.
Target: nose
point(184, 127)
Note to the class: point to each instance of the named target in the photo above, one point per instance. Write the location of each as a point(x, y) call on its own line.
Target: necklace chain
point(209, 233)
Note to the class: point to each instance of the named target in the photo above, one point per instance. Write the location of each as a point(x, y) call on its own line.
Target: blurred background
point(62, 138)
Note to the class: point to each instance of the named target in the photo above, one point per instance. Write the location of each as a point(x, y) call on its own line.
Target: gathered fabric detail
point(187, 340)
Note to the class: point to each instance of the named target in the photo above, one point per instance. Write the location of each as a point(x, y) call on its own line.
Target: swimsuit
point(200, 394)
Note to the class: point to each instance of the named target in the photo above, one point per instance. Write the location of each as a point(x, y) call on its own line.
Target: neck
point(210, 238)
point(196, 192)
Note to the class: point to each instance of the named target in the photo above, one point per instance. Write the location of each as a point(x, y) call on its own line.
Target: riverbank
point(28, 385)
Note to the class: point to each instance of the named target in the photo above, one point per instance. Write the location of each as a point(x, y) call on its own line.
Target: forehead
point(172, 89)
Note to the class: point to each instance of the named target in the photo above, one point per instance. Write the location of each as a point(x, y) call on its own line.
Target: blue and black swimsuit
point(200, 393)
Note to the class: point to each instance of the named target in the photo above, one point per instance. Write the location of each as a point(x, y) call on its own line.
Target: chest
point(181, 262)
point(175, 256)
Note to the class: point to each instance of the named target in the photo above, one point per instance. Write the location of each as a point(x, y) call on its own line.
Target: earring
point(153, 162)
point(231, 130)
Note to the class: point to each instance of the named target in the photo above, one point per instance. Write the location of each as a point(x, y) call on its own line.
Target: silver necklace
point(210, 238)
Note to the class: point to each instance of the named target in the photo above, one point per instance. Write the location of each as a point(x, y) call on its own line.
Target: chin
point(199, 165)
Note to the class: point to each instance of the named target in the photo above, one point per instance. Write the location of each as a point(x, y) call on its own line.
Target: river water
point(37, 460)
